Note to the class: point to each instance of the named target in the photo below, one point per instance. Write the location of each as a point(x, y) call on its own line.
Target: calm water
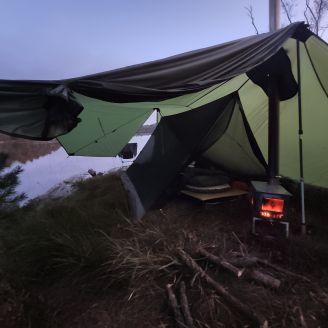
point(46, 172)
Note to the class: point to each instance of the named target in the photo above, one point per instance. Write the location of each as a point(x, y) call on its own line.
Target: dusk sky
point(42, 39)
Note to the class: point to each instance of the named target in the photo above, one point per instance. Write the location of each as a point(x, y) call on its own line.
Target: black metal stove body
point(270, 205)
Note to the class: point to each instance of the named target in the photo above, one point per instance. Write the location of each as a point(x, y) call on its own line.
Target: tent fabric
point(117, 103)
point(105, 128)
point(151, 82)
point(278, 66)
point(189, 72)
point(28, 113)
point(236, 150)
point(46, 109)
point(317, 51)
point(314, 115)
point(37, 111)
point(181, 138)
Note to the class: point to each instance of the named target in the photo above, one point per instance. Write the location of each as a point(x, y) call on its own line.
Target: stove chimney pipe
point(273, 144)
point(274, 15)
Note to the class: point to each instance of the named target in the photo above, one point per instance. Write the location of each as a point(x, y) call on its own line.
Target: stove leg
point(287, 228)
point(253, 226)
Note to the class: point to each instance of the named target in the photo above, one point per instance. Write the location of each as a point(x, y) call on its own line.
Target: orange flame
point(272, 208)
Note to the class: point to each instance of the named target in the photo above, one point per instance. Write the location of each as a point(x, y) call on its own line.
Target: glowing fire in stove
point(272, 208)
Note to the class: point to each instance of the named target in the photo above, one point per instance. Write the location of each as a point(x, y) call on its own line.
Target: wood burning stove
point(270, 205)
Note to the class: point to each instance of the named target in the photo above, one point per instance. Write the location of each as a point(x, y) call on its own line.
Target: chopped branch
point(242, 308)
point(185, 305)
point(175, 307)
point(226, 265)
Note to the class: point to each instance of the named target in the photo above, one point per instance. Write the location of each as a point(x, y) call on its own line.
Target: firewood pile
point(239, 266)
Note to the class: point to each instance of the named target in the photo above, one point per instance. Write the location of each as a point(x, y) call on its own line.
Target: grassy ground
point(80, 262)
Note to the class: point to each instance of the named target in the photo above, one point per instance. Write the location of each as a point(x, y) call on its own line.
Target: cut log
point(252, 274)
point(319, 295)
point(175, 307)
point(280, 269)
point(232, 300)
point(251, 261)
point(224, 264)
point(263, 278)
point(245, 262)
point(185, 306)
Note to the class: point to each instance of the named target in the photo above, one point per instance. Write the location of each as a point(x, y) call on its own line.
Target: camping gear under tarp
point(180, 138)
point(117, 103)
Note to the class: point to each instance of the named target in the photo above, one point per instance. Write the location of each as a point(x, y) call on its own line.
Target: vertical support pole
point(273, 138)
point(274, 15)
point(300, 137)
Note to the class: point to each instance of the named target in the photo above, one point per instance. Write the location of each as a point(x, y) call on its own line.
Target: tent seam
point(207, 93)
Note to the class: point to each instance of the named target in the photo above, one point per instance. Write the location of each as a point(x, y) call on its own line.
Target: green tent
point(115, 104)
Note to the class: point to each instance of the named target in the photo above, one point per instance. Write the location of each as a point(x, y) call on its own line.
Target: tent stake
point(300, 139)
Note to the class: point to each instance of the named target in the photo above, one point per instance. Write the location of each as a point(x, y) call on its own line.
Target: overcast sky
point(43, 39)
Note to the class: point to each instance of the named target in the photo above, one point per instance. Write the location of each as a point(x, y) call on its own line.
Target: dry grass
point(81, 262)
